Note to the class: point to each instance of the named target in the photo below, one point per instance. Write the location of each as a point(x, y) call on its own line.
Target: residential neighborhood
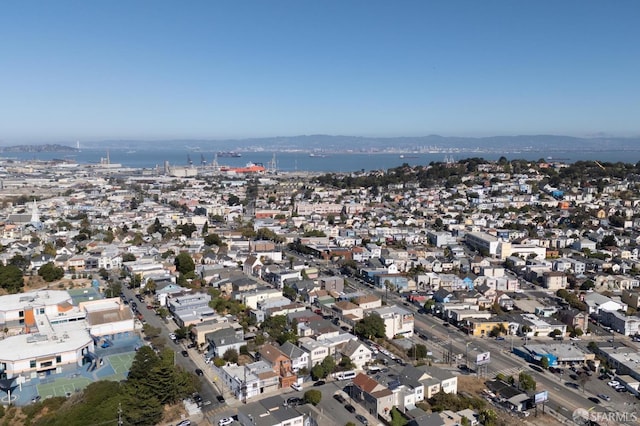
point(505, 289)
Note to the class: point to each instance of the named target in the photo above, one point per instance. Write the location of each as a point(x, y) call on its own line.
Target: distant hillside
point(547, 144)
point(38, 148)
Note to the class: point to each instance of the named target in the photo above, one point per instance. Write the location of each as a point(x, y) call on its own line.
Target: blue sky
point(90, 70)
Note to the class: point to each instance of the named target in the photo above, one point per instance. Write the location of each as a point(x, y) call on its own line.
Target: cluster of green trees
point(153, 381)
point(49, 272)
point(11, 278)
point(323, 369)
point(277, 329)
point(371, 326)
point(572, 299)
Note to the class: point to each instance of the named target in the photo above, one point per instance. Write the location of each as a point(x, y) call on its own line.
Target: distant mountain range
point(328, 143)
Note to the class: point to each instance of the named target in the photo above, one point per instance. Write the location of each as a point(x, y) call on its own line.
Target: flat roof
point(19, 301)
point(30, 346)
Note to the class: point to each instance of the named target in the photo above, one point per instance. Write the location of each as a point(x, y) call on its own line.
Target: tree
point(429, 304)
point(544, 362)
point(371, 326)
point(184, 263)
point(150, 286)
point(317, 372)
point(289, 293)
point(313, 396)
point(231, 355)
point(397, 419)
point(488, 417)
point(233, 200)
point(11, 278)
point(19, 261)
point(128, 257)
point(50, 273)
point(555, 333)
point(418, 351)
point(526, 382)
point(213, 240)
point(328, 365)
point(346, 363)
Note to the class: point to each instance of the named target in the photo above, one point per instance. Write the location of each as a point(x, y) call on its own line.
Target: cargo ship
point(228, 154)
point(249, 168)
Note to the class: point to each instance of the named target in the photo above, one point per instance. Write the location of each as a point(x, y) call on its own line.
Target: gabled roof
point(352, 346)
point(367, 384)
point(270, 353)
point(291, 350)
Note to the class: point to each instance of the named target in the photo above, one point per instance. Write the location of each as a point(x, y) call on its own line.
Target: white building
point(397, 321)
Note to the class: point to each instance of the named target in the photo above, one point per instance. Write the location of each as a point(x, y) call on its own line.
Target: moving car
point(225, 421)
point(185, 353)
point(220, 399)
point(339, 398)
point(199, 372)
point(604, 397)
point(319, 383)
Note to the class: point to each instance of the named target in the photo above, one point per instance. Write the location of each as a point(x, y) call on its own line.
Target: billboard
point(541, 397)
point(483, 358)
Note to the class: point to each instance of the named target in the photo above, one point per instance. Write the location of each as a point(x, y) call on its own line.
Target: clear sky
point(91, 70)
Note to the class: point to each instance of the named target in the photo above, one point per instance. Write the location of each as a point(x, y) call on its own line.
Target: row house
point(280, 363)
point(618, 321)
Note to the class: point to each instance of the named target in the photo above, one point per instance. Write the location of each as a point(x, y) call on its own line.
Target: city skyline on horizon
point(241, 70)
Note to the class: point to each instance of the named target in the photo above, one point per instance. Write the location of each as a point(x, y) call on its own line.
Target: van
point(373, 369)
point(346, 375)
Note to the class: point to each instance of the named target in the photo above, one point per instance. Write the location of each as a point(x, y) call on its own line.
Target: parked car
point(319, 383)
point(185, 353)
point(339, 398)
point(350, 408)
point(220, 399)
point(362, 419)
point(186, 422)
point(296, 386)
point(293, 401)
point(199, 372)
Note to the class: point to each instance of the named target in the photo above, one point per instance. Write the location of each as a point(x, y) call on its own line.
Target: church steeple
point(35, 215)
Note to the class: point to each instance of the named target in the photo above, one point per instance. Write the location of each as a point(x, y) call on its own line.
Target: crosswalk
point(513, 371)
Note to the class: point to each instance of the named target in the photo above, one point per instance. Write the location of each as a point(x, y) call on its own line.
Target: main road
point(563, 398)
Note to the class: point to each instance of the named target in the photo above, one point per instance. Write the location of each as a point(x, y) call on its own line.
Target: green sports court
point(115, 369)
point(120, 364)
point(63, 386)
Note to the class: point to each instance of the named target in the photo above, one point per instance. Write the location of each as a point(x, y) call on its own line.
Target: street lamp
point(466, 356)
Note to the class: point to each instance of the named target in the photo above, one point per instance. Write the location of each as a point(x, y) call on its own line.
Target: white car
point(613, 383)
point(226, 421)
point(172, 336)
point(296, 386)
